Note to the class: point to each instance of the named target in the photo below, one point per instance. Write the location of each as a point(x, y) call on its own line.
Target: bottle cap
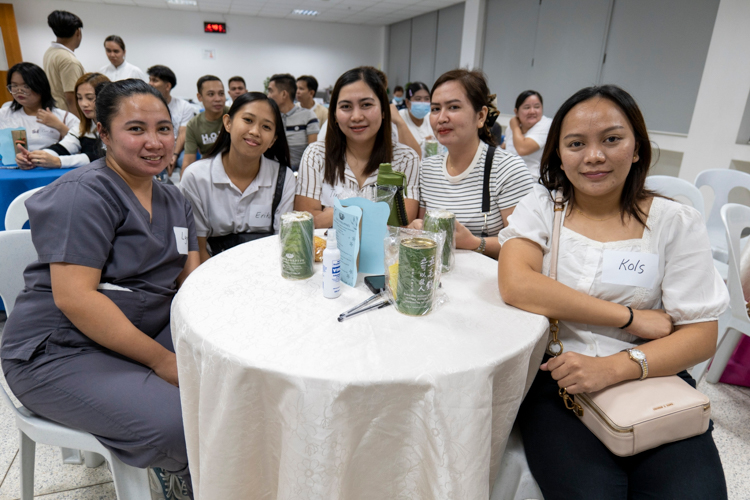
point(331, 239)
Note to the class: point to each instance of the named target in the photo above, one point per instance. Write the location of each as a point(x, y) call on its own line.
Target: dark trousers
point(129, 409)
point(568, 461)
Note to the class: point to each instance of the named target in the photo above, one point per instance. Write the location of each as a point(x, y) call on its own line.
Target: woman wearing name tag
point(636, 295)
point(357, 141)
point(481, 190)
point(89, 343)
point(240, 191)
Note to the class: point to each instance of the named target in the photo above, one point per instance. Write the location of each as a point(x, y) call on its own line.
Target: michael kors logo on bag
point(663, 406)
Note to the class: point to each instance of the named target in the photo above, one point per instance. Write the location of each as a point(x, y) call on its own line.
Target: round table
point(16, 181)
point(281, 401)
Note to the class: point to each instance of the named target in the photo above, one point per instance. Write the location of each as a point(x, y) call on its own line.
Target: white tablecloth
point(281, 401)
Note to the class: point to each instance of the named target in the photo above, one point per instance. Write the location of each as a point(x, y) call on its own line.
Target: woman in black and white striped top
point(462, 116)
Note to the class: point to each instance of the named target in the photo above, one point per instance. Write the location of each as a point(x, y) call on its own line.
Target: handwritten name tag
point(630, 268)
point(260, 215)
point(181, 239)
point(330, 193)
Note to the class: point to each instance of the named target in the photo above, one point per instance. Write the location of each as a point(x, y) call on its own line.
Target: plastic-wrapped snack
point(413, 270)
point(320, 245)
point(296, 237)
point(443, 220)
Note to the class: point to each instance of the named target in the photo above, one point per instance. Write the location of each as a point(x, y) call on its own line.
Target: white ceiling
point(372, 12)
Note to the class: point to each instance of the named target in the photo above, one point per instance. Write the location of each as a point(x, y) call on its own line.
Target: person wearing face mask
point(89, 343)
point(118, 68)
point(415, 115)
point(79, 147)
point(527, 131)
point(398, 98)
point(241, 189)
point(462, 116)
point(358, 140)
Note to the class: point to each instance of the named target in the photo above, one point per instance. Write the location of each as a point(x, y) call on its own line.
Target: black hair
point(279, 151)
point(310, 81)
point(237, 79)
point(36, 79)
point(552, 175)
point(398, 88)
point(474, 83)
point(207, 78)
point(415, 87)
point(114, 38)
point(163, 73)
point(286, 82)
point(109, 95)
point(525, 95)
point(63, 23)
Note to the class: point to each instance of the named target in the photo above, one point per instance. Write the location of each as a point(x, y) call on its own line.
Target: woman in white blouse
point(357, 141)
point(527, 131)
point(118, 68)
point(33, 108)
point(665, 311)
point(79, 147)
point(241, 189)
point(417, 112)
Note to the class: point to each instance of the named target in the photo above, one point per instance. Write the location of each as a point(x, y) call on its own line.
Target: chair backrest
point(721, 181)
point(735, 218)
point(16, 252)
point(16, 216)
point(673, 187)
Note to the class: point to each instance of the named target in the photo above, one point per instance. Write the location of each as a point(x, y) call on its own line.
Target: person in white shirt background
point(118, 68)
point(33, 108)
point(236, 87)
point(81, 145)
point(527, 131)
point(417, 99)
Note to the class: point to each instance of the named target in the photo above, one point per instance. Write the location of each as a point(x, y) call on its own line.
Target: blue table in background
point(16, 181)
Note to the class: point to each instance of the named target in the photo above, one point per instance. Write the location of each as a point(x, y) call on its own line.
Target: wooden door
point(12, 45)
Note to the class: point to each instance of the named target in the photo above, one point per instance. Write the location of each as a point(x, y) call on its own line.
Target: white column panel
point(473, 33)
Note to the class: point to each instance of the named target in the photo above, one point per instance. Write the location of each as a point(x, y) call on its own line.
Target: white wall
point(254, 48)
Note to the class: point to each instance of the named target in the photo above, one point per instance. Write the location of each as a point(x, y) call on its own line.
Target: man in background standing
point(301, 125)
point(203, 130)
point(60, 63)
point(307, 87)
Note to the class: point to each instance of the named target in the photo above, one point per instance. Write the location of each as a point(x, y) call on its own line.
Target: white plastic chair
point(16, 252)
point(735, 321)
point(16, 216)
point(673, 187)
point(721, 181)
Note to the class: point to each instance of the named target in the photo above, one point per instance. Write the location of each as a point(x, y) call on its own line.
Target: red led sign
point(214, 27)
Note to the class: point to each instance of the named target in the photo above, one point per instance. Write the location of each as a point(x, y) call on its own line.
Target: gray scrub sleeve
point(192, 235)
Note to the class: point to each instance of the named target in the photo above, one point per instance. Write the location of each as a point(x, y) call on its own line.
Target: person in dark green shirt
point(204, 128)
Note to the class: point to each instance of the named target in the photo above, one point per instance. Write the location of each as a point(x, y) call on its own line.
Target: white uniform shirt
point(220, 208)
point(182, 112)
point(688, 286)
point(72, 144)
point(312, 171)
point(123, 72)
point(539, 134)
point(38, 135)
point(420, 132)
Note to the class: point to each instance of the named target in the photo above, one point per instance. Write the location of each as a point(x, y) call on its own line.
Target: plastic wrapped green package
point(297, 248)
point(443, 220)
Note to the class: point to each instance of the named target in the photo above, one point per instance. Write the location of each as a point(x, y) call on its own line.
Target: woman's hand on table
point(578, 373)
point(416, 224)
point(464, 239)
point(41, 158)
point(650, 324)
point(166, 368)
point(22, 159)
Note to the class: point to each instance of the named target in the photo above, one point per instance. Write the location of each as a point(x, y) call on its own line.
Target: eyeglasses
point(19, 89)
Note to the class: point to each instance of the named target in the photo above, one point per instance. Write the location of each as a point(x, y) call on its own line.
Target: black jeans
point(569, 462)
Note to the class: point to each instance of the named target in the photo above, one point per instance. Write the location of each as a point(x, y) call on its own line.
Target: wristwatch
point(639, 358)
point(482, 245)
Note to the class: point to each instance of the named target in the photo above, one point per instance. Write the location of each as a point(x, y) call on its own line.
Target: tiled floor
point(56, 481)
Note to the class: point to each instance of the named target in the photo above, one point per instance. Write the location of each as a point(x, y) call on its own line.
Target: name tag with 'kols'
point(630, 268)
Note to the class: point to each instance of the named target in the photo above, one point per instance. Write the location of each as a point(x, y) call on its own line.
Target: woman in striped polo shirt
point(462, 116)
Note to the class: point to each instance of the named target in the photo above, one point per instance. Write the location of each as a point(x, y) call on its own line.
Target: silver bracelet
point(482, 245)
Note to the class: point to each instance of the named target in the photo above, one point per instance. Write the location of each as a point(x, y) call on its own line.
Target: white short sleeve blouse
point(688, 286)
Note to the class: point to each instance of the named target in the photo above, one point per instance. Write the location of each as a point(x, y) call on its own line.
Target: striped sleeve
point(406, 160)
point(512, 179)
point(313, 125)
point(310, 176)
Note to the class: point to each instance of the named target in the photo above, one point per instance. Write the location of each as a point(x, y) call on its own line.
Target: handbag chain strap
point(555, 345)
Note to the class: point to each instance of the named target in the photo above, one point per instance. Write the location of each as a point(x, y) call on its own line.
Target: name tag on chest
point(181, 239)
point(630, 268)
point(260, 215)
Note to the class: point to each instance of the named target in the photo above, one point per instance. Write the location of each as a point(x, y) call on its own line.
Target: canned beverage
point(430, 148)
point(442, 220)
point(297, 248)
point(417, 258)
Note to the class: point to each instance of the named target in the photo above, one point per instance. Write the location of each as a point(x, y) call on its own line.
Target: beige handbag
point(636, 415)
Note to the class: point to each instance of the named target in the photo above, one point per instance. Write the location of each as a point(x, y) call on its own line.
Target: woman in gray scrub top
point(88, 343)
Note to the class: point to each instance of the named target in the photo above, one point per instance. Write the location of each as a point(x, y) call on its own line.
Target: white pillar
point(722, 96)
point(472, 40)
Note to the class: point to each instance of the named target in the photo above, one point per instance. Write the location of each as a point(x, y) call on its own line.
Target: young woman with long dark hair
point(357, 141)
point(241, 189)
